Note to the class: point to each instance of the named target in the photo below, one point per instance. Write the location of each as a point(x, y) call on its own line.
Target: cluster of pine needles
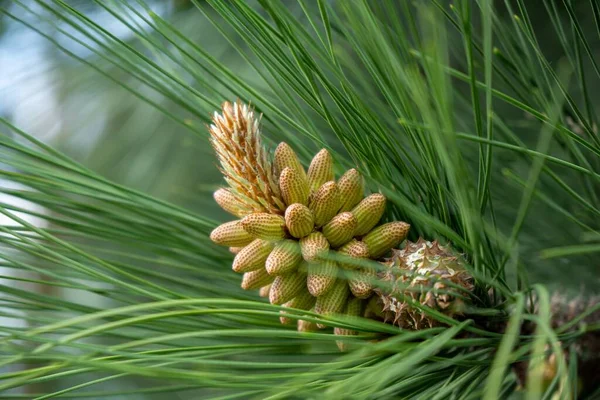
point(475, 120)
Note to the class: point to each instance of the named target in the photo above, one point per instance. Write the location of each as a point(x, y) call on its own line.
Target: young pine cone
point(424, 273)
point(293, 223)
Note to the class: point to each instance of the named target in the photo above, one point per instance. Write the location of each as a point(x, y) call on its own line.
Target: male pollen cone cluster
point(300, 235)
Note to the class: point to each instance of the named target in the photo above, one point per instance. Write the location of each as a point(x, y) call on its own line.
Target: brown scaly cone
point(292, 223)
point(424, 273)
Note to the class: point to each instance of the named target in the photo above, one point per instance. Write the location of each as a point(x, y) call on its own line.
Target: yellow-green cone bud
point(286, 157)
point(368, 213)
point(231, 234)
point(264, 291)
point(235, 250)
point(286, 287)
point(256, 279)
point(321, 277)
point(320, 170)
point(333, 301)
point(293, 188)
point(354, 249)
point(361, 283)
point(353, 309)
point(340, 229)
point(351, 187)
point(306, 326)
point(303, 301)
point(299, 220)
point(284, 258)
point(381, 239)
point(264, 226)
point(253, 256)
point(325, 203)
point(227, 201)
point(314, 246)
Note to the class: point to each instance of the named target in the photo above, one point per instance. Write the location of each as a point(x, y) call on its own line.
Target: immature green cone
point(299, 220)
point(303, 301)
point(368, 213)
point(286, 287)
point(293, 188)
point(286, 157)
point(284, 258)
point(253, 256)
point(351, 187)
point(231, 234)
point(340, 229)
point(314, 247)
point(325, 203)
point(425, 273)
point(321, 277)
point(256, 279)
point(264, 291)
point(320, 170)
point(228, 202)
point(354, 249)
point(264, 226)
point(381, 239)
point(333, 301)
point(353, 309)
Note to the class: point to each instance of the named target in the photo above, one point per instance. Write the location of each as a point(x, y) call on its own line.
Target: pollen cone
point(302, 238)
point(381, 239)
point(264, 226)
point(320, 170)
point(284, 258)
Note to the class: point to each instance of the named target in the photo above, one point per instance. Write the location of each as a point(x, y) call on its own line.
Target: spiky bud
point(286, 287)
point(425, 273)
point(293, 187)
point(286, 157)
point(351, 187)
point(264, 226)
point(284, 258)
point(381, 239)
point(333, 301)
point(325, 203)
point(353, 309)
point(340, 229)
point(353, 249)
point(229, 202)
point(320, 170)
point(314, 247)
point(231, 234)
point(253, 256)
point(299, 220)
point(235, 136)
point(368, 213)
point(303, 301)
point(321, 277)
point(264, 291)
point(256, 279)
